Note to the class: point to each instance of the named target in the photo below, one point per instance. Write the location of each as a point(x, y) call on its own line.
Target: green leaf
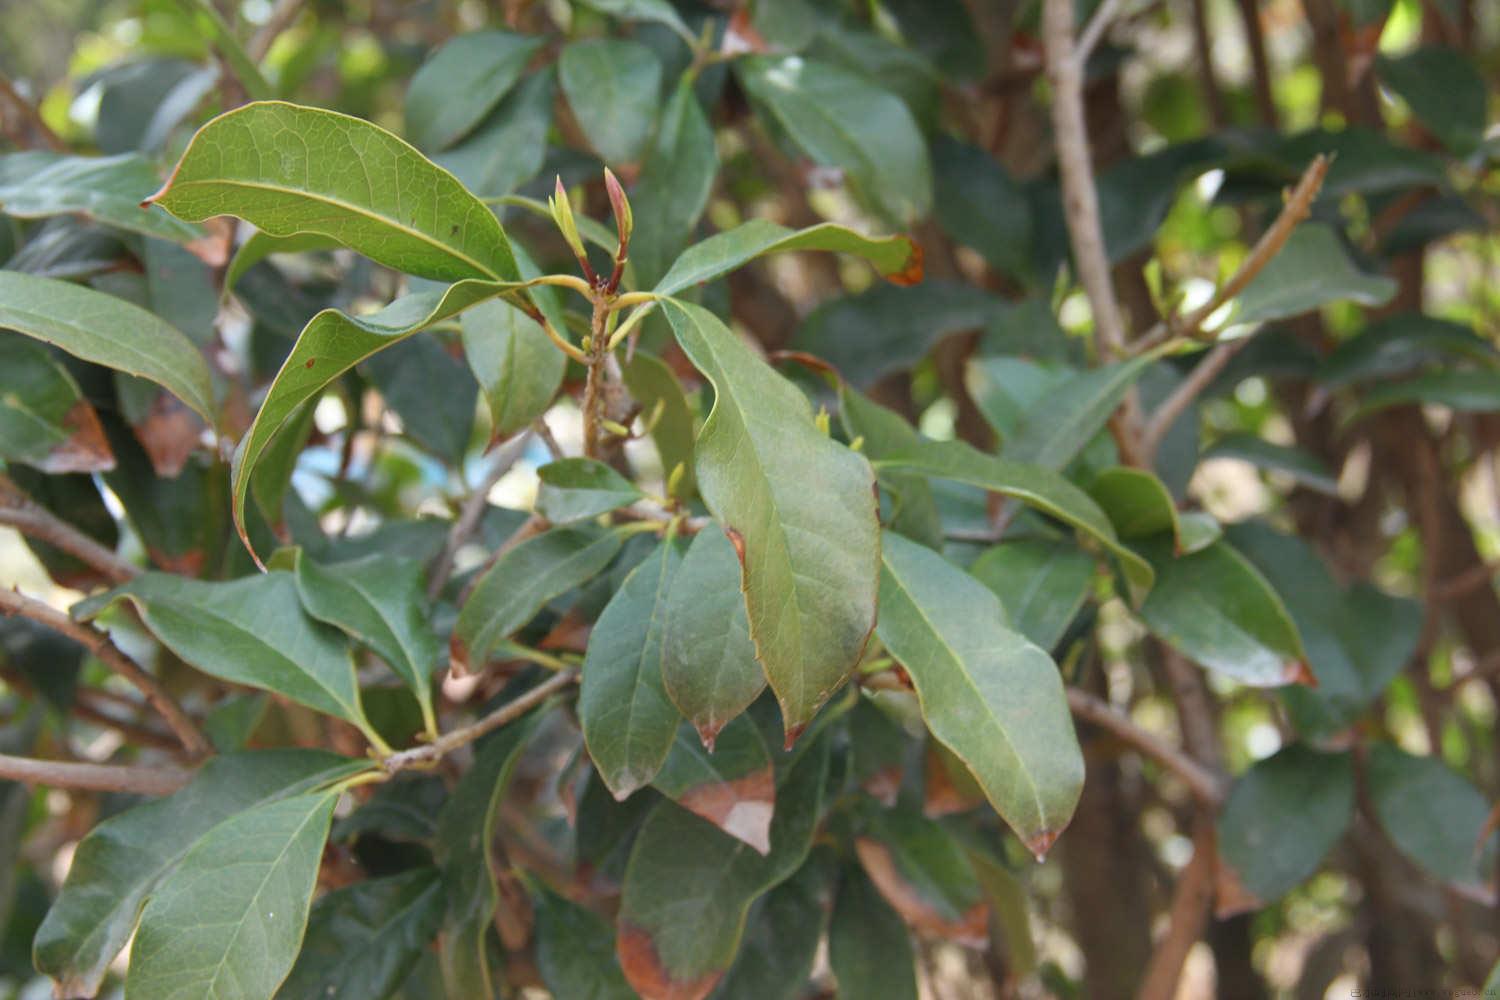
point(261, 245)
point(895, 257)
point(1312, 270)
point(576, 489)
point(389, 923)
point(613, 87)
point(688, 885)
point(628, 723)
point(732, 785)
point(249, 631)
point(659, 11)
point(466, 831)
point(1283, 816)
point(108, 189)
point(522, 581)
point(1444, 90)
point(289, 169)
point(708, 661)
point(331, 344)
point(575, 950)
point(1215, 607)
point(509, 147)
point(1137, 502)
point(44, 420)
point(675, 183)
point(987, 694)
point(1041, 585)
point(432, 392)
point(781, 938)
point(923, 872)
point(124, 858)
point(1464, 391)
point(869, 947)
point(1304, 468)
point(1434, 815)
point(1402, 343)
point(1075, 410)
point(380, 602)
point(842, 120)
point(107, 331)
point(982, 206)
point(228, 921)
point(652, 384)
point(456, 88)
point(517, 366)
point(803, 508)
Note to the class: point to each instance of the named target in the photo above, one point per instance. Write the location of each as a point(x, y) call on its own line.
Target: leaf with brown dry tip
point(688, 886)
point(804, 509)
point(924, 874)
point(733, 786)
point(44, 420)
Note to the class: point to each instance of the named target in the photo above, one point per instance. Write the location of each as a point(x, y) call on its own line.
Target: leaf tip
point(793, 733)
point(708, 733)
point(648, 974)
point(912, 270)
point(738, 541)
point(1040, 844)
point(1298, 672)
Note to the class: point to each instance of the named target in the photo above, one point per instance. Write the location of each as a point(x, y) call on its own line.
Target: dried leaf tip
point(624, 219)
point(1042, 843)
point(793, 733)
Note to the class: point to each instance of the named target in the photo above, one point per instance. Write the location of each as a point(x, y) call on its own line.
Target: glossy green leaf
point(1395, 345)
point(575, 951)
point(628, 723)
point(44, 420)
point(107, 331)
point(987, 693)
point(1435, 815)
point(109, 189)
point(982, 206)
point(289, 169)
point(781, 937)
point(1283, 816)
point(1312, 270)
point(249, 631)
point(1041, 584)
point(652, 384)
point(1445, 91)
point(803, 508)
point(688, 886)
point(869, 947)
point(518, 367)
point(576, 489)
point(1137, 502)
point(675, 183)
point(124, 858)
point(708, 662)
point(228, 921)
point(380, 601)
point(732, 785)
point(842, 120)
point(456, 88)
point(508, 148)
point(895, 257)
point(659, 11)
point(1076, 409)
point(522, 581)
point(612, 85)
point(1216, 608)
point(466, 831)
point(389, 923)
point(1464, 391)
point(1303, 467)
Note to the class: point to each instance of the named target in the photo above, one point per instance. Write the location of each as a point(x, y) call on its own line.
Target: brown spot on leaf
point(945, 792)
point(792, 733)
point(1298, 672)
point(708, 733)
point(650, 978)
point(458, 658)
point(85, 449)
point(189, 563)
point(571, 633)
point(912, 271)
point(884, 785)
point(738, 541)
point(741, 808)
point(170, 434)
point(971, 930)
point(309, 362)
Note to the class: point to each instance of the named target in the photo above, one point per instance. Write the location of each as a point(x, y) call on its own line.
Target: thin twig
point(32, 519)
point(473, 510)
point(1297, 207)
point(187, 731)
point(545, 435)
point(1199, 779)
point(1089, 37)
point(1470, 579)
point(1188, 916)
point(28, 113)
point(593, 388)
point(445, 744)
point(282, 16)
point(94, 777)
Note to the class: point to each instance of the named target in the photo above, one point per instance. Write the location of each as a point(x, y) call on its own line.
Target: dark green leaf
point(781, 938)
point(522, 581)
point(228, 921)
point(575, 951)
point(981, 206)
point(627, 720)
point(1312, 270)
point(652, 384)
point(1434, 815)
point(1402, 343)
point(388, 923)
point(380, 602)
point(44, 420)
point(518, 367)
point(731, 785)
point(576, 489)
point(1041, 585)
point(660, 11)
point(1444, 90)
point(803, 508)
point(841, 120)
point(923, 872)
point(1137, 503)
point(456, 88)
point(869, 947)
point(430, 390)
point(508, 147)
point(1283, 815)
point(709, 664)
point(613, 87)
point(1075, 410)
point(675, 183)
point(261, 245)
point(107, 331)
point(36, 185)
point(1304, 468)
point(1476, 392)
point(987, 694)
